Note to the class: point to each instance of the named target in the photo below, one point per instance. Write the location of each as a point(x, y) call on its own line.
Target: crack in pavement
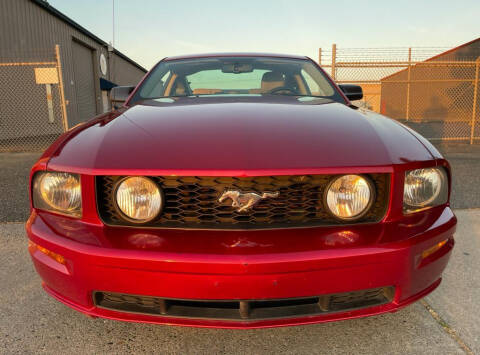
point(450, 331)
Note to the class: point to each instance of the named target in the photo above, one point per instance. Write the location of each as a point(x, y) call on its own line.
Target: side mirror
point(119, 94)
point(352, 92)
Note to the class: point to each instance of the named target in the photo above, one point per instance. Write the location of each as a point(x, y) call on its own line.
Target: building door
point(84, 83)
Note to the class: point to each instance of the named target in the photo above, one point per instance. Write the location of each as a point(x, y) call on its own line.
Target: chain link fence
point(32, 102)
point(429, 89)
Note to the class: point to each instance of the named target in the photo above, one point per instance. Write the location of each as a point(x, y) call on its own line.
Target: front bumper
point(239, 274)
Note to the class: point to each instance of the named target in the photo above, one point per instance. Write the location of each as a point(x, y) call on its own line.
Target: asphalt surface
point(14, 175)
point(15, 167)
point(447, 323)
point(465, 163)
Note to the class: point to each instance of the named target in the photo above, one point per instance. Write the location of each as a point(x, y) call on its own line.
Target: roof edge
point(234, 54)
point(46, 6)
point(434, 57)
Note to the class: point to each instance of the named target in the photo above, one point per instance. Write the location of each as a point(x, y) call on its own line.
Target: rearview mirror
point(237, 68)
point(119, 94)
point(352, 92)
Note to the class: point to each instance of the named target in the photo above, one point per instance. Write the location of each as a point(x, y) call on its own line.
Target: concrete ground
point(465, 162)
point(15, 170)
point(446, 322)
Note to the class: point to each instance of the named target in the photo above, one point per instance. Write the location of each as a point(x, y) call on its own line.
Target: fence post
point(60, 86)
point(334, 60)
point(320, 56)
point(475, 99)
point(407, 114)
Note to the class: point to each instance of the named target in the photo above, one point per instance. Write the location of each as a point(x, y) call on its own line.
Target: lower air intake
point(242, 310)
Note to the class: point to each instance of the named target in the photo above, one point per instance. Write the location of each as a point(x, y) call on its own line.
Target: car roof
point(235, 54)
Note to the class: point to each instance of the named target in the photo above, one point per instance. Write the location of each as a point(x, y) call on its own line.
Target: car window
point(312, 84)
point(236, 76)
point(318, 84)
point(216, 79)
point(159, 87)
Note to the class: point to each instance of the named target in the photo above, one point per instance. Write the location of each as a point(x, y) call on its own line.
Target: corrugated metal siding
point(469, 52)
point(85, 82)
point(123, 74)
point(27, 31)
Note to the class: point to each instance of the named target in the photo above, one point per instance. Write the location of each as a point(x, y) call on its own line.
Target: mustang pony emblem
point(245, 201)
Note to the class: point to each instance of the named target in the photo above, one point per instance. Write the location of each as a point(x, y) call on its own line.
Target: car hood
point(236, 137)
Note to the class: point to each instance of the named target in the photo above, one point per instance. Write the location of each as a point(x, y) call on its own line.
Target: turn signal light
point(32, 247)
point(427, 252)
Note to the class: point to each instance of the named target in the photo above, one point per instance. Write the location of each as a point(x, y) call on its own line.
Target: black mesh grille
point(192, 202)
point(242, 310)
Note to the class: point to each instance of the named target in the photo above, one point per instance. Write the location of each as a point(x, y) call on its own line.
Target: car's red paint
point(240, 137)
point(250, 134)
point(245, 265)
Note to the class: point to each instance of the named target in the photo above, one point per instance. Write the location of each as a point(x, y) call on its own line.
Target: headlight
point(139, 199)
point(349, 196)
point(424, 188)
point(58, 192)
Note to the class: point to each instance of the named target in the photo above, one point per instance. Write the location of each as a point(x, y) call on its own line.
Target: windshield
point(236, 76)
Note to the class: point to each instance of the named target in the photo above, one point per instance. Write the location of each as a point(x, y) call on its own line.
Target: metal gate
point(438, 98)
point(32, 101)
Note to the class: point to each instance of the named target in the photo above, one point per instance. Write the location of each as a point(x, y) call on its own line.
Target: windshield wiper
point(299, 95)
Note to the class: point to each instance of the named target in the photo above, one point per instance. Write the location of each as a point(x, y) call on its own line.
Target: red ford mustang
point(239, 191)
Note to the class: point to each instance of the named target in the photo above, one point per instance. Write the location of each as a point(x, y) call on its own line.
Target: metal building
point(54, 74)
point(439, 97)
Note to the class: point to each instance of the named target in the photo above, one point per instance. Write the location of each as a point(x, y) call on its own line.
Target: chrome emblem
point(245, 201)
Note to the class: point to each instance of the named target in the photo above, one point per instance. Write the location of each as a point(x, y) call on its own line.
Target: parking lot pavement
point(14, 173)
point(458, 302)
point(465, 162)
point(15, 167)
point(33, 322)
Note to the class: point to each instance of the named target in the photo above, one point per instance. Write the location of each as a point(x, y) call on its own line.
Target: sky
point(149, 30)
